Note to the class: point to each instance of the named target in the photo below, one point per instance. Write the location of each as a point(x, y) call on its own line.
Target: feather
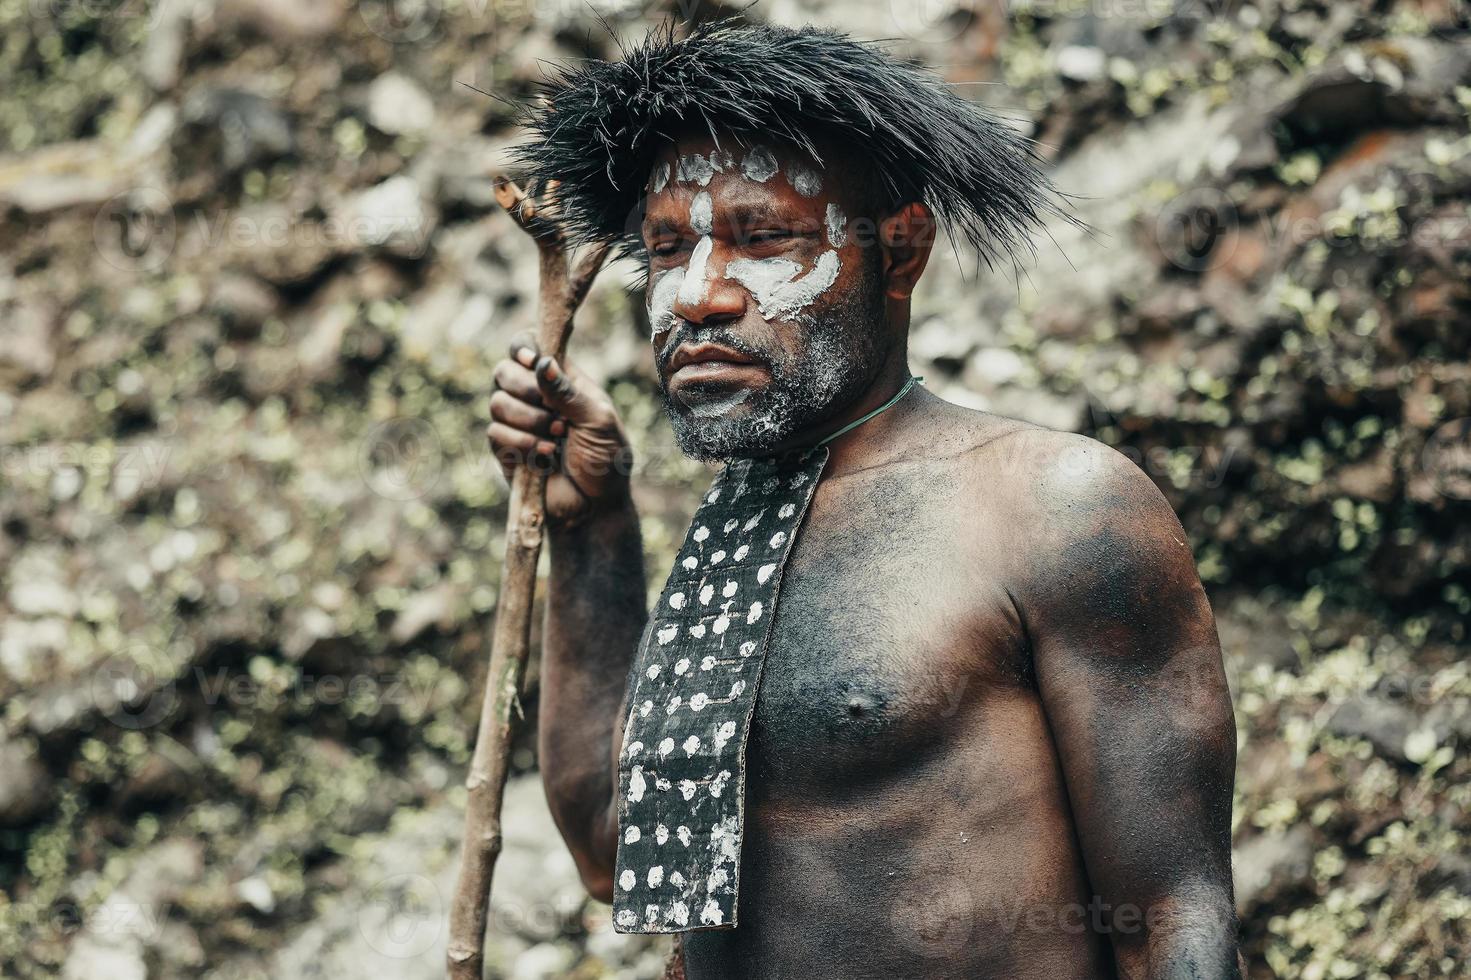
point(601, 124)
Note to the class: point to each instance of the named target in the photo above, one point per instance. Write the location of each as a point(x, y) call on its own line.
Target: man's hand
point(549, 414)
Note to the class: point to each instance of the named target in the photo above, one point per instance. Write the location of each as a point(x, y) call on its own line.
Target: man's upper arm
point(1129, 669)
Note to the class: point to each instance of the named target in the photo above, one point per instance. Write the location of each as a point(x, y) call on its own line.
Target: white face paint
point(837, 226)
point(661, 300)
point(702, 214)
point(692, 290)
point(759, 164)
point(778, 291)
point(695, 167)
point(806, 182)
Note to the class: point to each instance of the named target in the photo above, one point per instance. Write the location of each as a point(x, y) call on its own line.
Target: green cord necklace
point(914, 379)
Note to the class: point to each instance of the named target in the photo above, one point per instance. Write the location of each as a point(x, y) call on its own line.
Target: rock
point(117, 934)
point(163, 47)
point(1268, 863)
point(68, 175)
point(1081, 64)
point(237, 128)
point(1386, 724)
point(391, 917)
point(255, 892)
point(243, 302)
point(284, 20)
point(392, 215)
point(27, 342)
point(544, 961)
point(397, 106)
point(25, 785)
point(538, 893)
point(994, 366)
point(937, 339)
point(432, 607)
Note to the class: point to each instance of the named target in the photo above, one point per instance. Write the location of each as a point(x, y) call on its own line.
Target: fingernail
point(525, 357)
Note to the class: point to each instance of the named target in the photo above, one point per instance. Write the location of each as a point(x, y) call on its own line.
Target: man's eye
point(768, 236)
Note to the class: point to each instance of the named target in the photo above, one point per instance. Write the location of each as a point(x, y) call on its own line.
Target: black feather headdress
point(601, 124)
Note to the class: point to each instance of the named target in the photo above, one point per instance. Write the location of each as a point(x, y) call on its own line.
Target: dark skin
point(994, 737)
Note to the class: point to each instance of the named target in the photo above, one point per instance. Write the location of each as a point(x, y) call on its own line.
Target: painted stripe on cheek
point(661, 300)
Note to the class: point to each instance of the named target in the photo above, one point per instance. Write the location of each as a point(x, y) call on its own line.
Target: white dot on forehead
point(759, 164)
point(695, 167)
point(805, 181)
point(702, 214)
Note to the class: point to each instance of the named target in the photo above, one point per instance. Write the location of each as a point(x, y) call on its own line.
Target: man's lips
point(706, 362)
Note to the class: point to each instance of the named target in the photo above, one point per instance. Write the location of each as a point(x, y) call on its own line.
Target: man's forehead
point(698, 158)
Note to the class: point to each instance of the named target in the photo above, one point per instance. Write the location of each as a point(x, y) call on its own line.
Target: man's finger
point(560, 393)
point(518, 381)
point(515, 445)
point(507, 408)
point(524, 349)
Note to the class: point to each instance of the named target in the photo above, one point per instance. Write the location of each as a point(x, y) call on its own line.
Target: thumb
point(561, 392)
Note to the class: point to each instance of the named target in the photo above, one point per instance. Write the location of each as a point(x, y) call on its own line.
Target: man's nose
point(706, 296)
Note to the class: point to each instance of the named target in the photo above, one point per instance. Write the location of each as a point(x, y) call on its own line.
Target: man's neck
point(849, 449)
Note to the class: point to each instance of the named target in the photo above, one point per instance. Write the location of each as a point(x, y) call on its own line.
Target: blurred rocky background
point(252, 283)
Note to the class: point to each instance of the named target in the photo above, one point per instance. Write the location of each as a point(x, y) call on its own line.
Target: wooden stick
point(560, 293)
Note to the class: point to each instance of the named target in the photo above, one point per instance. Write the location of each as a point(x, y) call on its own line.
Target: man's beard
point(841, 351)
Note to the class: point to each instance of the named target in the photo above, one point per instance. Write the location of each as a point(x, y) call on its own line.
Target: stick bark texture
point(562, 287)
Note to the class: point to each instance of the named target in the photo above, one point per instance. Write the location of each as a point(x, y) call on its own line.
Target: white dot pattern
point(681, 773)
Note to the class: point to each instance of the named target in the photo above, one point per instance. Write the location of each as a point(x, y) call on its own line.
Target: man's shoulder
point(1043, 473)
point(1060, 494)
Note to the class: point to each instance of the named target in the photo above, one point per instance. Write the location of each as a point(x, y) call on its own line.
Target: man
point(985, 731)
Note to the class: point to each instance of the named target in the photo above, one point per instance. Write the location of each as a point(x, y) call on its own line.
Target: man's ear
point(907, 235)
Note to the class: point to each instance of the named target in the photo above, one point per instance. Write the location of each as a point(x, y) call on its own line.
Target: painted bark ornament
point(682, 771)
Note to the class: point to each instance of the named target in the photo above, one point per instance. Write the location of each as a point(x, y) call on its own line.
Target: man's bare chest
point(888, 636)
